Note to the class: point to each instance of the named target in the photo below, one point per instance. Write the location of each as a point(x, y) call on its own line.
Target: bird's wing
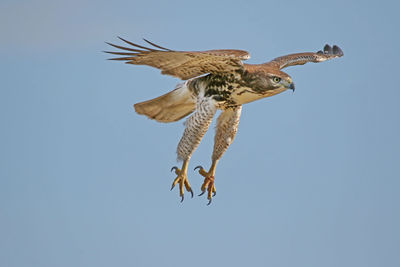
point(302, 58)
point(182, 64)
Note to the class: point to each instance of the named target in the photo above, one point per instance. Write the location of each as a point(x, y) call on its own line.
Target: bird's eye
point(276, 79)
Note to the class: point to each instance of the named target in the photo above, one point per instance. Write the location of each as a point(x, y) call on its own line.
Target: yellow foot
point(209, 183)
point(183, 182)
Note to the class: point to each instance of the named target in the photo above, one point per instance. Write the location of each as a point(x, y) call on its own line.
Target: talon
point(182, 180)
point(174, 183)
point(188, 187)
point(209, 182)
point(198, 167)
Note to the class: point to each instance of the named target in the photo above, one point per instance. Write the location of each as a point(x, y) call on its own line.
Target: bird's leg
point(227, 126)
point(182, 179)
point(209, 181)
point(196, 126)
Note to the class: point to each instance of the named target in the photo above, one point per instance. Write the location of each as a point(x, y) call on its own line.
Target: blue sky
point(312, 178)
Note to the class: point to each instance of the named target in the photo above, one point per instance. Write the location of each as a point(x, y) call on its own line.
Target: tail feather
point(170, 107)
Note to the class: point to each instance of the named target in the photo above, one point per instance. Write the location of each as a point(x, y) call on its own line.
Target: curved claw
point(198, 167)
point(209, 202)
point(202, 193)
point(183, 197)
point(191, 192)
point(214, 194)
point(172, 187)
point(174, 168)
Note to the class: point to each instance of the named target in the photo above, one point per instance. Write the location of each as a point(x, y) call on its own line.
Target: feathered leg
point(196, 126)
point(227, 126)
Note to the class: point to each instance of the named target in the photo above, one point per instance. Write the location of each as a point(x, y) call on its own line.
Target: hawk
point(213, 79)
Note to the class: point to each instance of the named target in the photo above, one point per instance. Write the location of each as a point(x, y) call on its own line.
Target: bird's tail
point(170, 107)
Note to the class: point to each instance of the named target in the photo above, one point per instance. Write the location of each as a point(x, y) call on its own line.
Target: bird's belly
point(247, 95)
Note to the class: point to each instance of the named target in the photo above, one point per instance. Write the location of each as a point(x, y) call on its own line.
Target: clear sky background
point(312, 178)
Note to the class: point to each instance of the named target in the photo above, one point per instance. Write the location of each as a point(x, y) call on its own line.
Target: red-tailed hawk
point(214, 79)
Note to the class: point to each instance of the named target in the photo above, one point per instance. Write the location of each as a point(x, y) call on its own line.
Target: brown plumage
point(182, 64)
point(214, 79)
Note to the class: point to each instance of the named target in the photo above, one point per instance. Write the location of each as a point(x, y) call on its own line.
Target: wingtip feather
point(337, 51)
point(136, 45)
point(327, 49)
point(334, 50)
point(155, 45)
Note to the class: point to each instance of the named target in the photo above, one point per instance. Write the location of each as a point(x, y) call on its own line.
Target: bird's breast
point(229, 90)
point(245, 95)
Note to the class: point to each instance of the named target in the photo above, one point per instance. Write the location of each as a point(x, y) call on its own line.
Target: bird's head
point(277, 79)
point(264, 78)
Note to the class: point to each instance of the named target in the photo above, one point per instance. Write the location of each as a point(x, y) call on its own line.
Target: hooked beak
point(291, 86)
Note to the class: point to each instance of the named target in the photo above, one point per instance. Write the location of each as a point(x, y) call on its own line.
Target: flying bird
point(213, 79)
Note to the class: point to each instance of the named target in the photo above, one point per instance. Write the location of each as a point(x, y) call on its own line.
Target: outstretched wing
point(302, 58)
point(182, 64)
